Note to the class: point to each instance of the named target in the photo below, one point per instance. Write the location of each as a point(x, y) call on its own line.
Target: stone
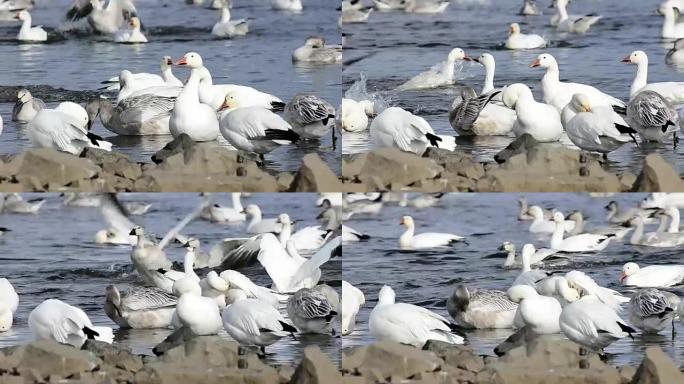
point(284, 180)
point(49, 357)
point(658, 176)
point(8, 379)
point(520, 145)
point(50, 166)
point(626, 373)
point(314, 175)
point(459, 356)
point(178, 145)
point(203, 351)
point(387, 166)
point(114, 354)
point(657, 368)
point(315, 368)
point(387, 359)
point(456, 162)
point(171, 374)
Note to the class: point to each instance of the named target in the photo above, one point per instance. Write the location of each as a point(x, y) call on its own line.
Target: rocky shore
point(524, 166)
point(181, 166)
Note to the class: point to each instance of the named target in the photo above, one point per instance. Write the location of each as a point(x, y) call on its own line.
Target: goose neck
point(557, 237)
point(641, 78)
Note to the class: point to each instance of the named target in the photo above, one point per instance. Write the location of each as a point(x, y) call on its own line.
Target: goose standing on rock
point(131, 34)
point(314, 310)
point(140, 307)
point(55, 320)
point(424, 240)
point(226, 27)
point(197, 313)
point(315, 51)
point(27, 106)
point(481, 308)
point(518, 40)
point(189, 116)
point(398, 128)
point(672, 91)
point(352, 300)
point(9, 301)
point(540, 120)
point(27, 32)
point(310, 116)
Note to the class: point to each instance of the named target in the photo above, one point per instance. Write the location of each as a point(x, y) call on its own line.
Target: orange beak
point(467, 58)
point(535, 63)
point(223, 106)
point(16, 17)
point(182, 61)
point(401, 222)
point(626, 60)
point(622, 277)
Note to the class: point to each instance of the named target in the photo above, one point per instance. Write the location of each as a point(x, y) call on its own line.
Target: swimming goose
point(540, 120)
point(197, 313)
point(528, 276)
point(131, 85)
point(518, 40)
point(495, 118)
point(398, 128)
point(651, 310)
point(542, 225)
point(140, 307)
point(672, 28)
point(529, 8)
point(119, 225)
point(189, 115)
point(137, 209)
point(389, 5)
point(215, 95)
point(219, 214)
point(315, 51)
point(310, 116)
point(130, 34)
point(617, 232)
point(352, 301)
point(258, 224)
point(255, 322)
point(354, 117)
point(314, 310)
point(426, 6)
point(523, 211)
point(465, 114)
point(672, 91)
point(409, 324)
point(592, 324)
point(538, 313)
point(586, 242)
point(575, 24)
point(103, 20)
point(27, 32)
point(616, 215)
point(26, 107)
point(307, 239)
point(14, 203)
point(652, 239)
point(55, 320)
point(287, 5)
point(80, 199)
point(353, 14)
point(537, 257)
point(141, 80)
point(652, 116)
point(591, 128)
point(439, 75)
point(662, 200)
point(652, 275)
point(226, 27)
point(424, 240)
point(64, 129)
point(481, 308)
point(9, 301)
point(350, 235)
point(675, 56)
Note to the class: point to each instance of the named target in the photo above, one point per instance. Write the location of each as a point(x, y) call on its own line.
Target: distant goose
point(142, 80)
point(518, 40)
point(652, 275)
point(226, 27)
point(9, 301)
point(409, 240)
point(409, 324)
point(652, 310)
point(14, 203)
point(140, 307)
point(523, 211)
point(314, 310)
point(652, 239)
point(220, 214)
point(307, 239)
point(539, 314)
point(426, 6)
point(575, 24)
point(617, 232)
point(389, 5)
point(255, 322)
point(105, 20)
point(529, 8)
point(350, 235)
point(672, 28)
point(352, 301)
point(540, 224)
point(481, 308)
point(287, 5)
point(439, 75)
point(55, 320)
point(354, 15)
point(131, 34)
point(257, 224)
point(310, 116)
point(26, 107)
point(537, 257)
point(80, 199)
point(616, 215)
point(585, 242)
point(315, 51)
point(198, 314)
point(397, 128)
point(675, 56)
point(137, 209)
point(28, 33)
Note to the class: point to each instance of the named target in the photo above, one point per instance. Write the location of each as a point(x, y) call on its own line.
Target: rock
point(202, 158)
point(657, 176)
point(175, 339)
point(520, 145)
point(626, 373)
point(657, 368)
point(47, 357)
point(285, 373)
point(178, 145)
point(456, 162)
point(50, 166)
point(315, 368)
point(114, 163)
point(385, 359)
point(203, 352)
point(285, 180)
point(314, 175)
point(7, 379)
point(459, 356)
point(390, 166)
point(114, 354)
point(171, 374)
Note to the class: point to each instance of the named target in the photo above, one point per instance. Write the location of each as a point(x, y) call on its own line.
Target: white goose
point(354, 117)
point(9, 301)
point(131, 34)
point(409, 324)
point(538, 313)
point(257, 224)
point(144, 80)
point(255, 322)
point(189, 116)
point(350, 235)
point(576, 24)
point(197, 313)
point(426, 6)
point(671, 91)
point(215, 95)
point(584, 284)
point(529, 8)
point(675, 56)
point(307, 239)
point(529, 276)
point(652, 239)
point(481, 308)
point(226, 27)
point(219, 214)
point(315, 51)
point(55, 320)
point(398, 128)
point(26, 107)
point(652, 275)
point(105, 20)
point(540, 120)
point(27, 32)
point(537, 257)
point(672, 28)
point(287, 5)
point(518, 40)
point(408, 240)
point(440, 75)
point(131, 84)
point(586, 242)
point(541, 225)
point(352, 300)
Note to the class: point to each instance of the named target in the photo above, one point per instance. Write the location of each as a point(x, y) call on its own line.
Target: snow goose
point(215, 95)
point(189, 115)
point(226, 27)
point(142, 83)
point(468, 117)
point(616, 215)
point(426, 6)
point(310, 116)
point(197, 313)
point(314, 310)
point(287, 5)
point(258, 224)
point(14, 203)
point(82, 199)
point(518, 40)
point(559, 93)
point(27, 32)
point(540, 120)
point(672, 28)
point(652, 239)
point(315, 51)
point(144, 80)
point(142, 115)
point(671, 91)
point(408, 240)
point(541, 225)
point(409, 324)
point(529, 276)
point(9, 301)
point(575, 24)
point(652, 116)
point(557, 287)
point(140, 307)
point(481, 308)
point(586, 242)
point(592, 324)
point(131, 34)
point(237, 280)
point(591, 128)
point(307, 239)
point(119, 225)
point(352, 300)
point(662, 200)
point(350, 235)
point(398, 128)
point(652, 275)
point(539, 314)
point(617, 232)
point(137, 209)
point(219, 214)
point(255, 322)
point(352, 14)
point(64, 129)
point(523, 211)
point(585, 285)
point(389, 5)
point(55, 320)
point(529, 8)
point(26, 107)
point(651, 310)
point(675, 56)
point(537, 257)
point(354, 117)
point(105, 20)
point(439, 75)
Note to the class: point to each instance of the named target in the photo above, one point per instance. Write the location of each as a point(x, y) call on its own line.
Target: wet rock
point(50, 166)
point(178, 145)
point(47, 357)
point(285, 373)
point(285, 180)
point(114, 163)
point(175, 339)
point(658, 176)
point(657, 368)
point(314, 175)
point(171, 374)
point(454, 355)
point(203, 352)
point(626, 373)
point(7, 379)
point(315, 368)
point(387, 359)
point(115, 355)
point(456, 163)
point(520, 145)
point(390, 166)
point(202, 158)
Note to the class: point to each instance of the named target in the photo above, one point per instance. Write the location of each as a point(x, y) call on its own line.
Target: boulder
point(456, 163)
point(520, 145)
point(387, 359)
point(390, 166)
point(47, 358)
point(314, 175)
point(657, 368)
point(50, 166)
point(315, 368)
point(178, 145)
point(459, 356)
point(658, 176)
point(203, 351)
point(115, 355)
point(114, 163)
point(171, 374)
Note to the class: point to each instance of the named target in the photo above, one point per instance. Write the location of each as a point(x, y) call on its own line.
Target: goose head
point(234, 295)
point(457, 54)
point(231, 101)
point(252, 210)
point(611, 207)
point(24, 95)
point(544, 61)
point(386, 295)
point(507, 246)
point(166, 63)
point(134, 23)
point(191, 60)
point(315, 42)
point(514, 29)
point(284, 219)
point(558, 217)
point(186, 285)
point(74, 111)
point(460, 297)
point(629, 269)
point(568, 292)
point(536, 212)
point(518, 293)
point(191, 244)
point(407, 221)
point(486, 59)
point(636, 57)
point(576, 216)
point(668, 10)
point(354, 117)
point(580, 103)
point(512, 93)
point(527, 251)
point(217, 282)
point(102, 236)
point(22, 15)
point(137, 231)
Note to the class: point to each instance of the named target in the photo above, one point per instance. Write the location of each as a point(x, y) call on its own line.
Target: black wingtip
point(94, 138)
point(620, 110)
point(624, 128)
point(433, 139)
point(90, 334)
point(278, 134)
point(161, 270)
point(665, 312)
point(277, 106)
point(628, 329)
point(327, 119)
point(455, 329)
point(288, 328)
point(666, 125)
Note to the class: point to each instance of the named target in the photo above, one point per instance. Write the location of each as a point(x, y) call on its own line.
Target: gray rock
point(520, 145)
point(50, 358)
point(657, 368)
point(658, 176)
point(203, 351)
point(48, 166)
point(390, 167)
point(315, 368)
point(459, 356)
point(386, 359)
point(115, 355)
point(314, 175)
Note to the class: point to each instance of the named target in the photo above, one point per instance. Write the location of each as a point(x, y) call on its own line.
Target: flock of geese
point(592, 120)
point(176, 296)
point(537, 301)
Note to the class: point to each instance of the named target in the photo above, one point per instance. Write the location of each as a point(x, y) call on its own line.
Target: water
point(427, 278)
point(53, 255)
point(399, 46)
point(262, 59)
